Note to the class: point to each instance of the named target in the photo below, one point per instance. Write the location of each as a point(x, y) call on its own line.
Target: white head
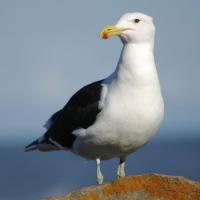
point(131, 28)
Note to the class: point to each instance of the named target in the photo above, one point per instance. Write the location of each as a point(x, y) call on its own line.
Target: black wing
point(80, 112)
point(52, 119)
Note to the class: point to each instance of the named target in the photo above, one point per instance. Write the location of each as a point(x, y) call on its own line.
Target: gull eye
point(136, 20)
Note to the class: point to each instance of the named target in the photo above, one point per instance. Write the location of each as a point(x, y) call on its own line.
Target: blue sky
point(49, 49)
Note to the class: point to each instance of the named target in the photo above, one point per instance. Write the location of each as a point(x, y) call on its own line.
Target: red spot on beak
point(105, 36)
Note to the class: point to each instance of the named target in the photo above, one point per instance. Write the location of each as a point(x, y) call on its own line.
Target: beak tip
point(105, 36)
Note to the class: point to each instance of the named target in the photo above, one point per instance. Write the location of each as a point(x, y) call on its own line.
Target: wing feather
point(80, 112)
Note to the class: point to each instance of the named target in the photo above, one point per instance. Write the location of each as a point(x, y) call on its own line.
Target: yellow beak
point(111, 30)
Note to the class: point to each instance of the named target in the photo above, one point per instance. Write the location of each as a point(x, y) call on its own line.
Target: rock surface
point(142, 187)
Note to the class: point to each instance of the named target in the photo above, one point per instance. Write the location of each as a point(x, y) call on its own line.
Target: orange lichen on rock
point(121, 186)
point(143, 187)
point(156, 186)
point(91, 196)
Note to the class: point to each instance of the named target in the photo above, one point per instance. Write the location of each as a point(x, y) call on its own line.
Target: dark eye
point(136, 20)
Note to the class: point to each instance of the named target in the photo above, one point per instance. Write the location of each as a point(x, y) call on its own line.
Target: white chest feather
point(129, 118)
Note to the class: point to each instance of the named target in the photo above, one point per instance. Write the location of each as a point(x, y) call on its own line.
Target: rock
point(142, 187)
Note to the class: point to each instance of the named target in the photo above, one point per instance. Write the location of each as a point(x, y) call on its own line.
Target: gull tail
point(32, 146)
point(42, 144)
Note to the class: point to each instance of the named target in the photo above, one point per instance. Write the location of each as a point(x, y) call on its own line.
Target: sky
point(49, 49)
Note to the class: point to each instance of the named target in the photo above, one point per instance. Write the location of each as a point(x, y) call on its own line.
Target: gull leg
point(99, 174)
point(121, 166)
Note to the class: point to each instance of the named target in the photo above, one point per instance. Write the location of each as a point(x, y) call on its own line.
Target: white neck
point(136, 64)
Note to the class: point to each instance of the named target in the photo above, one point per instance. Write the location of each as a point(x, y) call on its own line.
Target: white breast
point(128, 121)
point(129, 117)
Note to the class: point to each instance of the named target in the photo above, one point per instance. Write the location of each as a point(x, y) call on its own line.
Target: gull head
point(131, 28)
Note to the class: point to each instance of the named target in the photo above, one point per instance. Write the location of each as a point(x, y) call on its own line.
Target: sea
point(35, 175)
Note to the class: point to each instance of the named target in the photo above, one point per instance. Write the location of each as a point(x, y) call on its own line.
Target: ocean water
point(33, 175)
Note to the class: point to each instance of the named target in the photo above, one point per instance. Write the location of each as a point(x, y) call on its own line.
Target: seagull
point(115, 116)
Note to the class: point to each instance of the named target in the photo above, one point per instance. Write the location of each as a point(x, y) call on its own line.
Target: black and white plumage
point(80, 112)
point(119, 114)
